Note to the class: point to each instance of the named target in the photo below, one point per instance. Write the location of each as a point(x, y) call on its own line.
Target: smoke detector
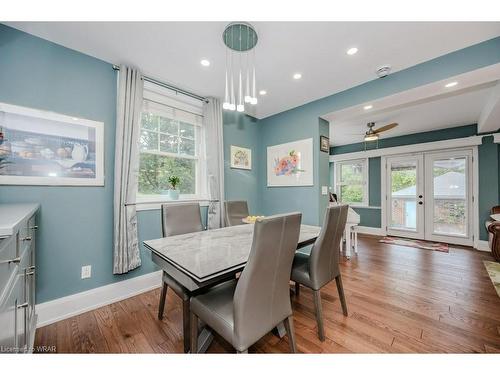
point(383, 71)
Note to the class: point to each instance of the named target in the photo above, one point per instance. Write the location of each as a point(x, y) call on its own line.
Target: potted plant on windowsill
point(173, 193)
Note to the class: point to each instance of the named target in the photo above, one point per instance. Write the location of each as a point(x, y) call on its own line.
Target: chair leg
point(340, 288)
point(291, 333)
point(297, 289)
point(186, 325)
point(319, 314)
point(194, 334)
point(163, 296)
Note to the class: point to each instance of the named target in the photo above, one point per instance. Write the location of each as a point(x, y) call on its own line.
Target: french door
point(429, 196)
point(405, 189)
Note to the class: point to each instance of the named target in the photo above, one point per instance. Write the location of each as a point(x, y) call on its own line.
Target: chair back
point(234, 212)
point(262, 296)
point(180, 219)
point(324, 258)
point(495, 210)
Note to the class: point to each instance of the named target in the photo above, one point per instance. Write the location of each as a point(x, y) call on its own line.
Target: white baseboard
point(370, 230)
point(482, 246)
point(65, 307)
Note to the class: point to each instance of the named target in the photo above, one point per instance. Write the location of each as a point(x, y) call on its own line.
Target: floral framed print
point(324, 143)
point(241, 158)
point(46, 148)
point(290, 164)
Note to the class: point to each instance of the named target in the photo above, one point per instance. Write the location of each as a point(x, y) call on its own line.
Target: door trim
point(475, 189)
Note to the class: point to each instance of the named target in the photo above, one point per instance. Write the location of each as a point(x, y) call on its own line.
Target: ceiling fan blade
point(386, 127)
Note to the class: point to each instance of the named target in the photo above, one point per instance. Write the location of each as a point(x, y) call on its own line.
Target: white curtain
point(126, 254)
point(212, 117)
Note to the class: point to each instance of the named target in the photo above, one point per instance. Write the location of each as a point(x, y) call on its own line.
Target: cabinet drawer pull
point(27, 238)
point(31, 268)
point(15, 260)
point(30, 273)
point(35, 227)
point(22, 306)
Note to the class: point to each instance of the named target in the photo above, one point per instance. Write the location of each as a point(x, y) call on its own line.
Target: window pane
point(351, 193)
point(169, 126)
point(186, 146)
point(148, 140)
point(155, 170)
point(149, 121)
point(352, 173)
point(186, 130)
point(169, 143)
point(450, 196)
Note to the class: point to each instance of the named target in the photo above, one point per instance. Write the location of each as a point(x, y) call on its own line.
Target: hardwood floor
point(400, 300)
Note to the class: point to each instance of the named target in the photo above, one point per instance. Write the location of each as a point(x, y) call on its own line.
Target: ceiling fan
point(373, 134)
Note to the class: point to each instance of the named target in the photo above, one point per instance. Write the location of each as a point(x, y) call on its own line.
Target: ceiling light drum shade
point(245, 36)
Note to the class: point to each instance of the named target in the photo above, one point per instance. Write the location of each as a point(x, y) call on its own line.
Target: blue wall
point(76, 223)
point(239, 184)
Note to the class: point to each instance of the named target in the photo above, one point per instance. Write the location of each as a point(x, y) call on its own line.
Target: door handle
point(420, 202)
point(420, 196)
point(15, 260)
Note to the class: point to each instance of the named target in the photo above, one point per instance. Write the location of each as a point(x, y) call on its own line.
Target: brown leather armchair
point(494, 234)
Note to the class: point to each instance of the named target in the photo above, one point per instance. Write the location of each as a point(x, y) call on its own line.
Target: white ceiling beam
point(489, 120)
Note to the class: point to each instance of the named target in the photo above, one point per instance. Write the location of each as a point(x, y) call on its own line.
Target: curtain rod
point(170, 87)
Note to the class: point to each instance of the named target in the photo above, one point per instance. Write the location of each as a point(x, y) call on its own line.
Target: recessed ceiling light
point(367, 107)
point(205, 62)
point(297, 76)
point(262, 92)
point(352, 51)
point(451, 84)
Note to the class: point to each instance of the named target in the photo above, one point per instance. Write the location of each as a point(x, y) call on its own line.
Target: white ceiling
point(447, 111)
point(171, 51)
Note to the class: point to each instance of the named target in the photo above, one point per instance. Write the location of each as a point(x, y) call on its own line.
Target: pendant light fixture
point(240, 39)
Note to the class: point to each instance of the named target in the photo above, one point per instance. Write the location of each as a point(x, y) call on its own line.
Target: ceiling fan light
point(240, 107)
point(371, 137)
point(226, 105)
point(248, 99)
point(253, 101)
point(232, 107)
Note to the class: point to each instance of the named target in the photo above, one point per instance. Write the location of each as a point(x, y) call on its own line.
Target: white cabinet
point(17, 277)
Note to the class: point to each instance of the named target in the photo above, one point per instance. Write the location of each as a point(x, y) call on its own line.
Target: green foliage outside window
point(155, 171)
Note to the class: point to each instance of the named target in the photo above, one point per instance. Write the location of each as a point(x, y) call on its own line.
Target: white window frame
point(338, 183)
point(156, 97)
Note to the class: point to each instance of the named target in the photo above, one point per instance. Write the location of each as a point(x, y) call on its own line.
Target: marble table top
point(206, 253)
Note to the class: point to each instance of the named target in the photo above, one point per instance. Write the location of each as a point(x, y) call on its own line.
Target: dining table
point(200, 260)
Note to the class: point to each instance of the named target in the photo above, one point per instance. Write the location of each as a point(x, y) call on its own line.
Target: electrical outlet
point(324, 190)
point(86, 272)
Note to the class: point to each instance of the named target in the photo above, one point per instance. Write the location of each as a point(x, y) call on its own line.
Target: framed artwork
point(324, 143)
point(47, 148)
point(241, 158)
point(290, 164)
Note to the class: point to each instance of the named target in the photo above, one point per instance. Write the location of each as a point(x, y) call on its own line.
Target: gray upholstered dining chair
point(179, 219)
point(242, 311)
point(321, 266)
point(235, 211)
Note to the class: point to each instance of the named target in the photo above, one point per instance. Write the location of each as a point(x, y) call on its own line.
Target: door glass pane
point(450, 196)
point(403, 195)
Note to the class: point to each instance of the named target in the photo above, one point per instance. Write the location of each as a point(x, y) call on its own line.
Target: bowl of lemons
point(251, 219)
